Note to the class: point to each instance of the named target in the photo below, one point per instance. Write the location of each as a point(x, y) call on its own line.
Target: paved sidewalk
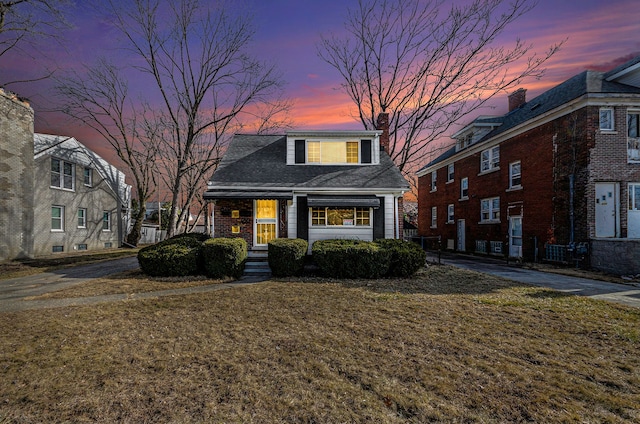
point(619, 293)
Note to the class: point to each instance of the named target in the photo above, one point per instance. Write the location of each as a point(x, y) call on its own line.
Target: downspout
point(395, 213)
point(571, 209)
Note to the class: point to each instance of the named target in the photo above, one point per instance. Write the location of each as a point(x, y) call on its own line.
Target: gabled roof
point(259, 162)
point(68, 148)
point(586, 82)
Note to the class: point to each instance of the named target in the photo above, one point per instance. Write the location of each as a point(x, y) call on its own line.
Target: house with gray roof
point(555, 178)
point(308, 184)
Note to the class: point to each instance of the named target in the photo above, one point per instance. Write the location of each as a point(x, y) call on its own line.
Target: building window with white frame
point(88, 177)
point(490, 159)
point(434, 180)
point(606, 119)
point(340, 217)
point(62, 174)
point(106, 221)
point(82, 218)
point(464, 188)
point(333, 152)
point(57, 218)
point(515, 175)
point(450, 173)
point(434, 217)
point(633, 136)
point(450, 216)
point(490, 210)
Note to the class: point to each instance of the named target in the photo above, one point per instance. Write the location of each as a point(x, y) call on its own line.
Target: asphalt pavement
point(626, 294)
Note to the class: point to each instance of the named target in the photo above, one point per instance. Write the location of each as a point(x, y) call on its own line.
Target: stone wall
point(16, 177)
point(616, 256)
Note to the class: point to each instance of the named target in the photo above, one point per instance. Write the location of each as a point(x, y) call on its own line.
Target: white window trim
point(493, 165)
point(434, 217)
point(434, 181)
point(321, 142)
point(90, 184)
point(632, 112)
point(85, 217)
point(73, 175)
point(513, 187)
point(611, 119)
point(450, 173)
point(62, 213)
point(467, 196)
point(108, 221)
point(326, 217)
point(490, 210)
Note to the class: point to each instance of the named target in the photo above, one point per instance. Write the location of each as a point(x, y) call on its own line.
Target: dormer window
point(333, 152)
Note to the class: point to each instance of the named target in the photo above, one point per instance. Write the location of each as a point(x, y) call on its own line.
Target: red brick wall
point(535, 201)
point(223, 220)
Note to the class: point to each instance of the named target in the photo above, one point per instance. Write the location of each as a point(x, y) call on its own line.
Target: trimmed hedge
point(197, 236)
point(286, 256)
point(171, 258)
point(224, 257)
point(406, 257)
point(351, 258)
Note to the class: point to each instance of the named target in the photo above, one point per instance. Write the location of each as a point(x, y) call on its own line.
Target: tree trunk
point(136, 229)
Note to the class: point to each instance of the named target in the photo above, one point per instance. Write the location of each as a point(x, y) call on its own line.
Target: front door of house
point(606, 209)
point(265, 223)
point(461, 236)
point(515, 236)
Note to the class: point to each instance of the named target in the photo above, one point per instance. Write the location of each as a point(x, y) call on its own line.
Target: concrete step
point(257, 264)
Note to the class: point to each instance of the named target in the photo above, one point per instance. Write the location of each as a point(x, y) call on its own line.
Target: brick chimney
point(382, 124)
point(517, 98)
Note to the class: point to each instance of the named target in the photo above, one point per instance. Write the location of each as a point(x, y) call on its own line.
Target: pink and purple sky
point(599, 36)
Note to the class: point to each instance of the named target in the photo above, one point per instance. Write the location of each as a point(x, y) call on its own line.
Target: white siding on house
point(291, 151)
point(292, 216)
point(389, 214)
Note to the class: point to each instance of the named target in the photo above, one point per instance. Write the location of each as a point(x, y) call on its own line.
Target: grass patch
point(23, 267)
point(129, 282)
point(447, 345)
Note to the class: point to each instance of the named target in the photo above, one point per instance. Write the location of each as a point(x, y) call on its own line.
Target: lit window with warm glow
point(333, 152)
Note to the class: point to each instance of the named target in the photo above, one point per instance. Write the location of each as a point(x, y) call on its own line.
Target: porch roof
point(347, 201)
point(247, 194)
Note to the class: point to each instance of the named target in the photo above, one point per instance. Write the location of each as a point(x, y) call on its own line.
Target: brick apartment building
point(556, 173)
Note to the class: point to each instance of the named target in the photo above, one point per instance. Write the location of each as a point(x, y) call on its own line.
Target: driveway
point(619, 293)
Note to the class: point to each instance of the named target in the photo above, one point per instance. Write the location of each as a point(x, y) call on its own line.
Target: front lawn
point(447, 345)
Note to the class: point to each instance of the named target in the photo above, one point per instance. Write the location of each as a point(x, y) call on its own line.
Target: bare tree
point(197, 56)
point(24, 24)
point(427, 65)
point(99, 98)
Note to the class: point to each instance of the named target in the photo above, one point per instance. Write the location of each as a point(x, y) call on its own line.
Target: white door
point(461, 236)
point(265, 223)
point(606, 209)
point(633, 214)
point(515, 236)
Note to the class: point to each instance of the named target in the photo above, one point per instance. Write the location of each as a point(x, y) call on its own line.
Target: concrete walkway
point(619, 293)
point(14, 293)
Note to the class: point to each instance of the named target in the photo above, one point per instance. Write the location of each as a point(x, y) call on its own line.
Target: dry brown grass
point(24, 267)
point(446, 346)
point(128, 282)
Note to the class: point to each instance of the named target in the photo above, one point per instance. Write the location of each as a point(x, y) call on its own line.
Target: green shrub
point(406, 257)
point(173, 257)
point(286, 256)
point(224, 257)
point(350, 258)
point(197, 236)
